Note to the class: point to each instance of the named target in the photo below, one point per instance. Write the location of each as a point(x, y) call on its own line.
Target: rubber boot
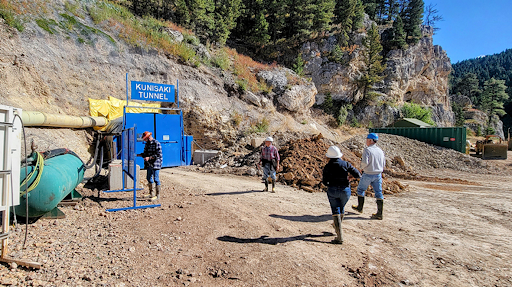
point(150, 185)
point(266, 184)
point(153, 193)
point(273, 186)
point(378, 215)
point(337, 218)
point(157, 192)
point(360, 204)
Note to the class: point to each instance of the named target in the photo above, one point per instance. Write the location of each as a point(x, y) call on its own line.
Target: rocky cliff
point(418, 74)
point(57, 73)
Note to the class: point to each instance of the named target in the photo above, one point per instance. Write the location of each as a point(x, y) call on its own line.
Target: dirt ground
point(221, 230)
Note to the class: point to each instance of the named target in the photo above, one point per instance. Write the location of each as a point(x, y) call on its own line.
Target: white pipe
point(63, 121)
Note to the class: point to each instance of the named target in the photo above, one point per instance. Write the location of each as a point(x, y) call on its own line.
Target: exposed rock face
point(463, 101)
point(297, 97)
point(418, 74)
point(477, 120)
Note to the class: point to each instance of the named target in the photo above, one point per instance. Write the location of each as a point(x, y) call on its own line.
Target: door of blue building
point(169, 133)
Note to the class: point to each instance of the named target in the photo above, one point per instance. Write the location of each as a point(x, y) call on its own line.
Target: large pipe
point(62, 121)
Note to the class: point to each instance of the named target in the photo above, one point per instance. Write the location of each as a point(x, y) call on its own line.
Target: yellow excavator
point(492, 147)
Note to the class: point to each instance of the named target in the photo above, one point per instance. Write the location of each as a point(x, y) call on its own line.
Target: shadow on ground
point(275, 240)
point(233, 193)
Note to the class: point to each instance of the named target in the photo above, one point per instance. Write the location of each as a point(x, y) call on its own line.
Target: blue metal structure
point(168, 130)
point(128, 157)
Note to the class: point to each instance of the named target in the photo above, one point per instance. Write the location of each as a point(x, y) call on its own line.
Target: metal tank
point(63, 170)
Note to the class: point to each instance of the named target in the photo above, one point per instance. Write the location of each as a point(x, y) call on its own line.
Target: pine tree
point(182, 13)
point(349, 14)
point(357, 20)
point(459, 114)
point(398, 41)
point(276, 12)
point(226, 12)
point(392, 7)
point(372, 59)
point(412, 17)
point(370, 8)
point(252, 26)
point(324, 14)
point(202, 17)
point(468, 86)
point(258, 34)
point(493, 96)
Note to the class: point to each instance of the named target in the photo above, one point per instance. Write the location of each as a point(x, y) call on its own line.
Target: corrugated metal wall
point(451, 137)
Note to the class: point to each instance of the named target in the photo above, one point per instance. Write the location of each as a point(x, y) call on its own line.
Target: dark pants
point(338, 196)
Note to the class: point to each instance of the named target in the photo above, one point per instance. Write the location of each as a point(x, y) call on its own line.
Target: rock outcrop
point(418, 74)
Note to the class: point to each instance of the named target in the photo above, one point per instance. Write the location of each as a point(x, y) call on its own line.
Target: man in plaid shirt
point(152, 163)
point(270, 160)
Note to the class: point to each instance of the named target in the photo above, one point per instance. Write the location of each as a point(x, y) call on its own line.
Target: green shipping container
point(452, 137)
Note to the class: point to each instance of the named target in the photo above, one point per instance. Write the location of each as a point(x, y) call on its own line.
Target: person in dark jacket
point(336, 176)
point(152, 163)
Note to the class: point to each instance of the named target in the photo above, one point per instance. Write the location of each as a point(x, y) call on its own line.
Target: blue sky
point(472, 28)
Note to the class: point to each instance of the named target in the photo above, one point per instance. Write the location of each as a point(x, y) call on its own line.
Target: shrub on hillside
point(415, 111)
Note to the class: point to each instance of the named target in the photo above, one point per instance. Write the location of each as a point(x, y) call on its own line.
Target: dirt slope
point(220, 230)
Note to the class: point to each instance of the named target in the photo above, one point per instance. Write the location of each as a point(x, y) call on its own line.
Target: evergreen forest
point(270, 30)
point(487, 81)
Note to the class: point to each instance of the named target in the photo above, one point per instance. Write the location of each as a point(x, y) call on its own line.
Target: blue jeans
point(269, 171)
point(338, 197)
point(153, 173)
point(375, 180)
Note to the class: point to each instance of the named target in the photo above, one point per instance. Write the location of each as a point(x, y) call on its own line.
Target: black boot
point(273, 186)
point(266, 184)
point(360, 204)
point(378, 215)
point(337, 218)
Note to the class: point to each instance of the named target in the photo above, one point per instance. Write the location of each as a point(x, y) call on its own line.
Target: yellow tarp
point(113, 108)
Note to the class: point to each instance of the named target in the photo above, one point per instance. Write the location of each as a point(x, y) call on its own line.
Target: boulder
point(298, 98)
point(176, 35)
point(276, 78)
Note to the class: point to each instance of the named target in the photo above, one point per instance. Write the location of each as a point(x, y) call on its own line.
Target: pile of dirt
point(303, 160)
point(412, 156)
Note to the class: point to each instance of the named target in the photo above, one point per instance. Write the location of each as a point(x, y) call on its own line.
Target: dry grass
point(245, 68)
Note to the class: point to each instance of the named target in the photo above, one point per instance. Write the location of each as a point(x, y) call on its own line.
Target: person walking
point(336, 176)
point(270, 160)
point(372, 164)
point(152, 163)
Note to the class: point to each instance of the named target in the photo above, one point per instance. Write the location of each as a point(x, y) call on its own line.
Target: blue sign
point(152, 92)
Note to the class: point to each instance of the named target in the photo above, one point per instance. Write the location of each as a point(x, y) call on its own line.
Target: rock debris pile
point(303, 161)
point(303, 158)
point(409, 155)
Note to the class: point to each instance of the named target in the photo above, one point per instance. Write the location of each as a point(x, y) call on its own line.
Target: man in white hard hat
point(336, 176)
point(270, 161)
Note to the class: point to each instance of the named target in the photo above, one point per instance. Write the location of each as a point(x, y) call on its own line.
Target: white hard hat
point(269, 139)
point(333, 152)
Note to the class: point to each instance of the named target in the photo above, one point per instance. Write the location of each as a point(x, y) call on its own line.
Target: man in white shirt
point(372, 164)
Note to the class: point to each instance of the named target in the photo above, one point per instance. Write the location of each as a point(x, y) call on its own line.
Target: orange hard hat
point(146, 135)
